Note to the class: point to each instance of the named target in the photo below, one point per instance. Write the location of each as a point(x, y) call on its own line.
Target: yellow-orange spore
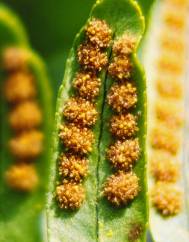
point(14, 59)
point(175, 20)
point(164, 138)
point(135, 231)
point(120, 68)
point(73, 167)
point(170, 64)
point(180, 3)
point(91, 58)
point(80, 111)
point(172, 44)
point(125, 45)
point(124, 154)
point(164, 167)
point(22, 177)
point(99, 33)
point(77, 139)
point(19, 87)
point(121, 188)
point(26, 145)
point(122, 97)
point(87, 85)
point(26, 115)
point(123, 126)
point(170, 87)
point(166, 198)
point(70, 195)
point(167, 112)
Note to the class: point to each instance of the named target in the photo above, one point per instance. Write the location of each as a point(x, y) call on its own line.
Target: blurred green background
point(52, 25)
